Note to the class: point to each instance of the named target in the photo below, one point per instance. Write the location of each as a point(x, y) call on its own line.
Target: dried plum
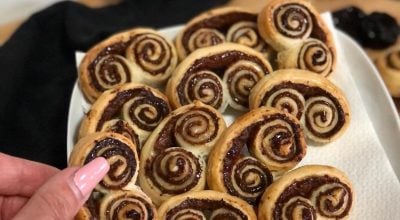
point(376, 30)
point(379, 30)
point(349, 20)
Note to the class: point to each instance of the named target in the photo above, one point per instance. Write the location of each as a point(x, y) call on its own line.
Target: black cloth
point(38, 67)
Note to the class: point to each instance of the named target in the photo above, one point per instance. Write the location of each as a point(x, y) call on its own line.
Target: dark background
point(38, 67)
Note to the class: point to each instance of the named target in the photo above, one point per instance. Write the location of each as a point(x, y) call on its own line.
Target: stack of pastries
point(158, 109)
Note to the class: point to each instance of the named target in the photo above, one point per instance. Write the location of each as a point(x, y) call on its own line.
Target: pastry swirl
point(173, 160)
point(120, 153)
point(389, 67)
point(205, 204)
point(140, 107)
point(132, 204)
point(318, 103)
point(228, 24)
point(312, 55)
point(308, 192)
point(284, 24)
point(138, 55)
point(199, 76)
point(275, 142)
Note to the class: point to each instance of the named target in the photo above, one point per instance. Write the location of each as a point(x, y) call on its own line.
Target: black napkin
point(38, 70)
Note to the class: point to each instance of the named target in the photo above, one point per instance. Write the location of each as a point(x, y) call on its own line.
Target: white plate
point(360, 152)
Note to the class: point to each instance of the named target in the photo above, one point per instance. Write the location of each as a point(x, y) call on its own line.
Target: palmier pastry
point(311, 54)
point(308, 192)
point(131, 109)
point(132, 204)
point(275, 142)
point(228, 24)
point(285, 23)
point(138, 55)
point(217, 75)
point(206, 204)
point(389, 68)
point(317, 102)
point(173, 160)
point(120, 153)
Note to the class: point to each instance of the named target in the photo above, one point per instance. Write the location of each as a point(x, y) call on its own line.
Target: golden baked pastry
point(311, 54)
point(318, 103)
point(173, 160)
point(132, 204)
point(205, 204)
point(216, 76)
point(285, 23)
point(227, 24)
point(389, 67)
point(139, 55)
point(120, 153)
point(132, 109)
point(308, 192)
point(295, 29)
point(275, 142)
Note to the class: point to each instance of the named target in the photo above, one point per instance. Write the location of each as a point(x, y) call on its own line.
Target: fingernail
point(88, 176)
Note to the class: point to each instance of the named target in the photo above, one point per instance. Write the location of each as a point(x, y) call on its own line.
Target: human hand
point(31, 190)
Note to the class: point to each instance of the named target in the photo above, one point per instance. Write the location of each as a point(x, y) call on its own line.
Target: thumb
point(63, 194)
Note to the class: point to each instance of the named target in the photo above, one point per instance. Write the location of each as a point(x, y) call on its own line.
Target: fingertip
point(88, 176)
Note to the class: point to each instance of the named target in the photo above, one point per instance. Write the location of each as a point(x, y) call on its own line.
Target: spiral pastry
point(283, 24)
point(312, 55)
point(130, 204)
point(138, 55)
point(118, 150)
point(389, 67)
point(246, 33)
point(206, 204)
point(199, 76)
point(218, 26)
point(275, 142)
point(133, 204)
point(318, 103)
point(205, 37)
point(308, 192)
point(122, 127)
point(140, 107)
point(173, 160)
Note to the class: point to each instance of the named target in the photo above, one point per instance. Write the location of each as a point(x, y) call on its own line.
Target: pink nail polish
point(88, 176)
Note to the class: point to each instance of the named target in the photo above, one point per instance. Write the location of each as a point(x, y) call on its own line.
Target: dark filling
point(166, 139)
point(247, 35)
point(220, 22)
point(305, 188)
point(122, 127)
point(241, 97)
point(119, 48)
point(114, 107)
point(131, 214)
point(245, 139)
point(315, 59)
point(93, 206)
point(317, 31)
point(389, 61)
point(309, 92)
point(307, 212)
point(207, 206)
point(188, 127)
point(114, 147)
point(216, 63)
point(215, 86)
point(286, 106)
point(184, 159)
